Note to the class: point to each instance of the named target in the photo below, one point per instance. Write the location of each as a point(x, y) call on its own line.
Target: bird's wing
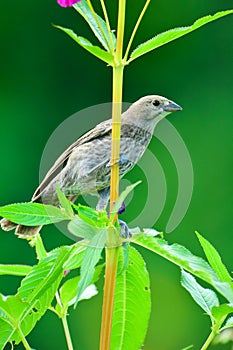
point(100, 130)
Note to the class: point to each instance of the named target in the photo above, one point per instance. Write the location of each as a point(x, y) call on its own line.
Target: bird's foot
point(122, 161)
point(121, 210)
point(125, 232)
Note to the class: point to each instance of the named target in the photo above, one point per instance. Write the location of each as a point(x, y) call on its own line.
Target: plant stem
point(112, 251)
point(108, 301)
point(211, 337)
point(116, 133)
point(117, 104)
point(65, 325)
point(23, 339)
point(107, 22)
point(67, 333)
point(135, 29)
point(98, 23)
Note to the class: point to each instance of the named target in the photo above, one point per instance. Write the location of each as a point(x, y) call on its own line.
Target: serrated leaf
point(121, 199)
point(35, 294)
point(97, 25)
point(215, 260)
point(65, 203)
point(132, 304)
point(93, 217)
point(182, 257)
point(15, 270)
point(69, 290)
point(75, 258)
point(39, 246)
point(44, 274)
point(151, 232)
point(80, 228)
point(91, 258)
point(205, 298)
point(172, 34)
point(32, 214)
point(87, 45)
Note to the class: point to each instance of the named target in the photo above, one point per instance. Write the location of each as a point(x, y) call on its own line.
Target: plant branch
point(107, 23)
point(97, 21)
point(108, 301)
point(211, 337)
point(135, 30)
point(116, 105)
point(23, 339)
point(65, 324)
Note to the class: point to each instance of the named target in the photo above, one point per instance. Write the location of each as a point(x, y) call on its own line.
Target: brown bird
point(84, 168)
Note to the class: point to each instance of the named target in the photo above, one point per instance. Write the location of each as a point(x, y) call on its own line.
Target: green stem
point(116, 133)
point(98, 23)
point(211, 337)
point(65, 325)
point(67, 333)
point(112, 252)
point(118, 69)
point(108, 301)
point(135, 30)
point(23, 339)
point(108, 23)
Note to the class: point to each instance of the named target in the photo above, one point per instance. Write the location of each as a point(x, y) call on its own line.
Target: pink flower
point(66, 3)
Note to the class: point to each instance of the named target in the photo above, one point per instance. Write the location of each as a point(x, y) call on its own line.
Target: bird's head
point(149, 110)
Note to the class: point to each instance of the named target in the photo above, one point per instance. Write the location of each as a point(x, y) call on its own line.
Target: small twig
point(135, 29)
point(98, 23)
point(107, 22)
point(65, 325)
point(23, 339)
point(211, 337)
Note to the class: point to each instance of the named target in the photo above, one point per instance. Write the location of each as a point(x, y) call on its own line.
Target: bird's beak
point(172, 107)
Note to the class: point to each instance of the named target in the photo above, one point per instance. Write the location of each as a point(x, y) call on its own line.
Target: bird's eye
point(156, 103)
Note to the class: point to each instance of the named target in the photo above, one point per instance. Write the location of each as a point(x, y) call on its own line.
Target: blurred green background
point(45, 78)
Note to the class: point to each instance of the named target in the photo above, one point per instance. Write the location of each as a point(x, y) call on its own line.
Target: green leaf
point(87, 45)
point(132, 304)
point(35, 294)
point(172, 34)
point(188, 347)
point(205, 298)
point(229, 323)
point(10, 310)
point(65, 203)
point(182, 257)
point(80, 228)
point(222, 311)
point(215, 260)
point(6, 331)
point(75, 258)
point(121, 199)
point(15, 270)
point(32, 214)
point(97, 25)
point(91, 258)
point(40, 249)
point(48, 271)
point(69, 290)
point(93, 217)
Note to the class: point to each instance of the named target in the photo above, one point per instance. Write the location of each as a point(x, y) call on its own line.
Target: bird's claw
point(125, 232)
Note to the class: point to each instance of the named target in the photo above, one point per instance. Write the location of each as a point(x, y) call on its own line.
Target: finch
point(84, 168)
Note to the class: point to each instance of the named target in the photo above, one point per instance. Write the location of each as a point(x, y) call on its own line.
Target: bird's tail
point(21, 230)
